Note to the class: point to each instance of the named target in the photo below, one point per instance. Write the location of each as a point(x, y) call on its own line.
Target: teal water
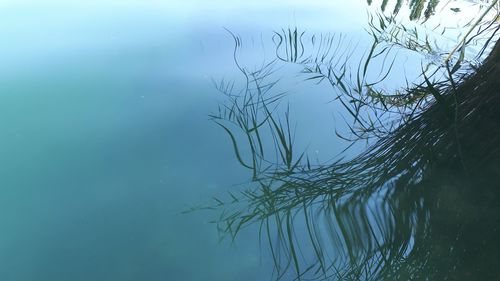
point(106, 142)
point(106, 139)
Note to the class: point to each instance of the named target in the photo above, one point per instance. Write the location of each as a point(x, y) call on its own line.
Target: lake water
point(106, 138)
point(106, 141)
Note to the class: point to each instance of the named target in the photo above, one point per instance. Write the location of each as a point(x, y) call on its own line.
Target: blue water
point(106, 141)
point(105, 138)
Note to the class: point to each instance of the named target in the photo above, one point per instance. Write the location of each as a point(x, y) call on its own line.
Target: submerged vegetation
point(419, 203)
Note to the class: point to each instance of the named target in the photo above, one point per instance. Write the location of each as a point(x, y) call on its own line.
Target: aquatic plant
point(406, 208)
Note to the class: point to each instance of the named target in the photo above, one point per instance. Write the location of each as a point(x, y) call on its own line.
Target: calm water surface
point(106, 139)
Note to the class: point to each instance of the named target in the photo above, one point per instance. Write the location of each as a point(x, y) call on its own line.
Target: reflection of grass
point(378, 215)
point(418, 8)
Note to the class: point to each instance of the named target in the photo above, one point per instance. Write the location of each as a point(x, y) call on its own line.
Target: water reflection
point(105, 138)
point(420, 203)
